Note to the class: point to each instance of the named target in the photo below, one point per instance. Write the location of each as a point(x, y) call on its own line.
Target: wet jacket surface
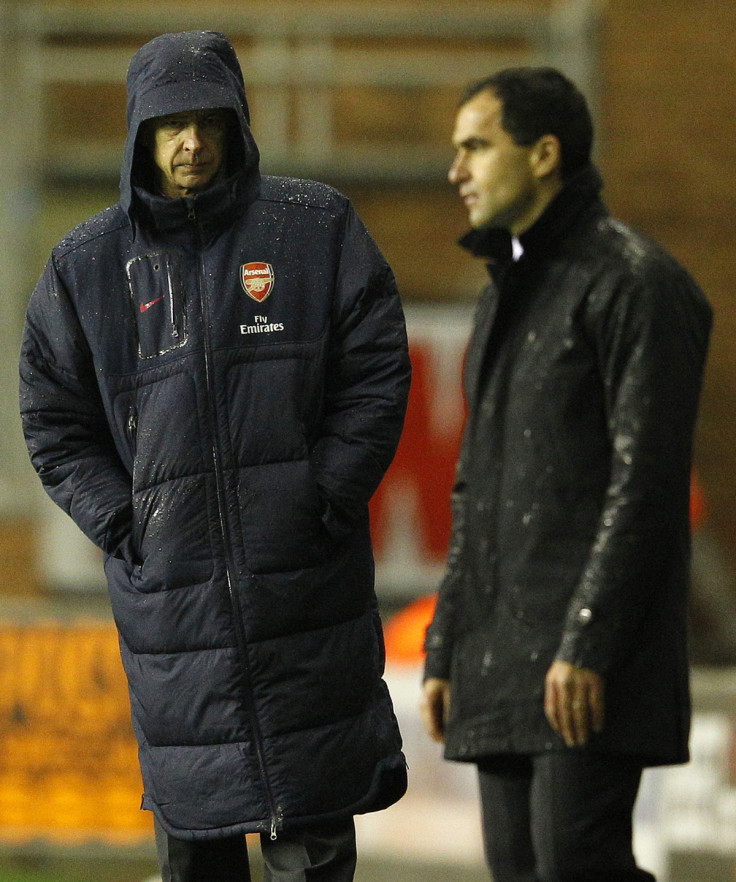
point(213, 387)
point(571, 526)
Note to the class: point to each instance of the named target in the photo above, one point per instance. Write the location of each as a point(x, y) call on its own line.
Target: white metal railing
point(297, 57)
point(300, 60)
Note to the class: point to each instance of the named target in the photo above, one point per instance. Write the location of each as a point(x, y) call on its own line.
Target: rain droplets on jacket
point(212, 388)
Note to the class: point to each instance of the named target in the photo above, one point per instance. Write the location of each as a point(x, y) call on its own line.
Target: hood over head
point(192, 70)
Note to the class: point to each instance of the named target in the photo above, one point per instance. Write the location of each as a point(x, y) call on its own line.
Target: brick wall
point(669, 158)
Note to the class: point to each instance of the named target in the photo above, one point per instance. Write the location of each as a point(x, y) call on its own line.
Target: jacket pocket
point(282, 516)
point(159, 305)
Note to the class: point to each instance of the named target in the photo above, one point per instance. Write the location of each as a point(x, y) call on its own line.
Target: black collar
point(211, 210)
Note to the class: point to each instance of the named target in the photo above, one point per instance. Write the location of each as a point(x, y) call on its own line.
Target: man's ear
point(546, 156)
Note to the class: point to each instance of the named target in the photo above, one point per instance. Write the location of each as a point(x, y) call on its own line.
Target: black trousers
point(562, 816)
point(324, 854)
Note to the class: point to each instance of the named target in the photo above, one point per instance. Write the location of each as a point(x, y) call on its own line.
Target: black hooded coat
point(571, 507)
point(213, 387)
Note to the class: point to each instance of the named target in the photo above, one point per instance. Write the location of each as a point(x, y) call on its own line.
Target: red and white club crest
point(257, 280)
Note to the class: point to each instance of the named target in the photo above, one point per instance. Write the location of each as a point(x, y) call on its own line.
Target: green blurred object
point(42, 868)
point(49, 867)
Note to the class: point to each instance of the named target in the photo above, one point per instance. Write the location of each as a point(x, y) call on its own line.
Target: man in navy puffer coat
point(214, 375)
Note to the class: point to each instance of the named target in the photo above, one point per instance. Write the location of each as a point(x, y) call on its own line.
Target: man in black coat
point(214, 375)
point(557, 658)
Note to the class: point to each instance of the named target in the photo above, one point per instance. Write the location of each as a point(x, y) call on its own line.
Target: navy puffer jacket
point(213, 387)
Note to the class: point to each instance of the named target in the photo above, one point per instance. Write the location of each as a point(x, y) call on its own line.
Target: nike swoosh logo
point(146, 306)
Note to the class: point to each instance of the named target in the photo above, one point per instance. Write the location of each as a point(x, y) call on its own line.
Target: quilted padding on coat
point(213, 387)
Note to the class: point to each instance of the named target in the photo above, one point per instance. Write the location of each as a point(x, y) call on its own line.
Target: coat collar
point(212, 209)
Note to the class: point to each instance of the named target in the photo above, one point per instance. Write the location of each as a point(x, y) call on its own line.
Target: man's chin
point(479, 221)
point(194, 183)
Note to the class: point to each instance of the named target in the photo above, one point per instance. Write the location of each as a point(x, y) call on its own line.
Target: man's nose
point(192, 137)
point(457, 172)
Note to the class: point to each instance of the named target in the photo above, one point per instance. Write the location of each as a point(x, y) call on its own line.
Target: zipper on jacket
point(276, 816)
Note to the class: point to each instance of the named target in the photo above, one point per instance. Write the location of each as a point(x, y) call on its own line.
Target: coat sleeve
point(367, 383)
point(441, 632)
point(439, 639)
point(651, 334)
point(64, 421)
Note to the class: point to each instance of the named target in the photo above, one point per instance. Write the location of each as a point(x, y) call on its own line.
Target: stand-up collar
point(211, 210)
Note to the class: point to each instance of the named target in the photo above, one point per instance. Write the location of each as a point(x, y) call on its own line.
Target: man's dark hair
point(541, 101)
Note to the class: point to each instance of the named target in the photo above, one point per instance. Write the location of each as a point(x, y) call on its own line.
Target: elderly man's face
point(188, 149)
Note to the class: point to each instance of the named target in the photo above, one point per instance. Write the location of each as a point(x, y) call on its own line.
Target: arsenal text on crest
point(257, 280)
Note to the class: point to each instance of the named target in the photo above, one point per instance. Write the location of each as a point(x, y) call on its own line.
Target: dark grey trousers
point(324, 854)
point(563, 816)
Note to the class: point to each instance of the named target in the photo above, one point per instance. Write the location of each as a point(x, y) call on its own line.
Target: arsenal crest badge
point(257, 280)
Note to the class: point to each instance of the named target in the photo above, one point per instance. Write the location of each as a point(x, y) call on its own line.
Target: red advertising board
point(410, 512)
